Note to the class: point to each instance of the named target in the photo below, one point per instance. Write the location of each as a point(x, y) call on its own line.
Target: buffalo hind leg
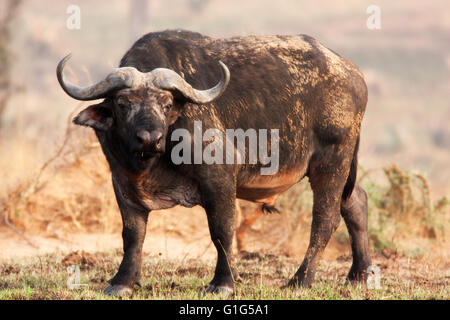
point(327, 189)
point(354, 211)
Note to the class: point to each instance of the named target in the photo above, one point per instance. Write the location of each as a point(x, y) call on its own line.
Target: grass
point(263, 277)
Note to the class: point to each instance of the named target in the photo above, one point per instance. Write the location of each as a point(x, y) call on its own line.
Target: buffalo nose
point(152, 139)
point(144, 136)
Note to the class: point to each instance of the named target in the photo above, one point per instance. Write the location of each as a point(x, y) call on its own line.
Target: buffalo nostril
point(157, 140)
point(144, 136)
point(159, 144)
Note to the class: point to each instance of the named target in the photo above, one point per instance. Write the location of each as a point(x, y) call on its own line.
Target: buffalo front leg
point(134, 220)
point(354, 211)
point(219, 204)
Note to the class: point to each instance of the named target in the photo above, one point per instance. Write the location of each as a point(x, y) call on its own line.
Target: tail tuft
point(268, 209)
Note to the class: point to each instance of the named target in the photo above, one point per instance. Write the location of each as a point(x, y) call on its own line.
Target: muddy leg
point(219, 204)
point(134, 221)
point(327, 189)
point(354, 211)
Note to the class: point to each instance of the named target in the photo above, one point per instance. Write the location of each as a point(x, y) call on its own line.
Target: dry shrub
point(408, 200)
point(80, 258)
point(401, 210)
point(71, 193)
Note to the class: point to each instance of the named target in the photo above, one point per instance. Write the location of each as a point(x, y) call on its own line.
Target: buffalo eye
point(122, 103)
point(166, 108)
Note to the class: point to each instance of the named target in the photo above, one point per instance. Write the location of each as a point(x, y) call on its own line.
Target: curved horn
point(121, 78)
point(170, 80)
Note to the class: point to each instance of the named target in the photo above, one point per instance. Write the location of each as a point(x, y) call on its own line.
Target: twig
point(20, 233)
point(366, 173)
point(228, 260)
point(204, 252)
point(35, 186)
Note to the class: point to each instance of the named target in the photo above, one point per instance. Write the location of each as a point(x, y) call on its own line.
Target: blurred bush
point(403, 209)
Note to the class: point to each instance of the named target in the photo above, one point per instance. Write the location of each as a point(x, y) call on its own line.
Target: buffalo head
point(138, 107)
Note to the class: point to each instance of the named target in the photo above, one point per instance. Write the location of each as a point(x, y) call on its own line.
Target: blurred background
point(54, 181)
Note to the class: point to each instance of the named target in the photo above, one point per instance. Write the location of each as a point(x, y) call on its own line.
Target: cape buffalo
point(312, 96)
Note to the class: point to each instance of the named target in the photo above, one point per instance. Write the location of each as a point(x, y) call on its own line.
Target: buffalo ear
point(97, 116)
point(173, 114)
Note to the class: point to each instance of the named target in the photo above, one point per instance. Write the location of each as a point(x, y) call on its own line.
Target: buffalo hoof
point(296, 283)
point(117, 290)
point(226, 291)
point(369, 277)
point(354, 282)
point(357, 280)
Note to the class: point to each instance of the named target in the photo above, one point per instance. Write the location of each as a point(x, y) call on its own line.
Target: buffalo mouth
point(144, 156)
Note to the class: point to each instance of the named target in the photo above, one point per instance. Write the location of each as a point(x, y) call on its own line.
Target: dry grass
point(263, 277)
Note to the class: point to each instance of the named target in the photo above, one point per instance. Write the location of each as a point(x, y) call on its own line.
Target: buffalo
point(168, 83)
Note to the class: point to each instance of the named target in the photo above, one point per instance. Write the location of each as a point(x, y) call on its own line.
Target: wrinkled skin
point(313, 96)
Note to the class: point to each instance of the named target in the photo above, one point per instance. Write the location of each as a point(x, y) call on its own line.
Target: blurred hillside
point(406, 64)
